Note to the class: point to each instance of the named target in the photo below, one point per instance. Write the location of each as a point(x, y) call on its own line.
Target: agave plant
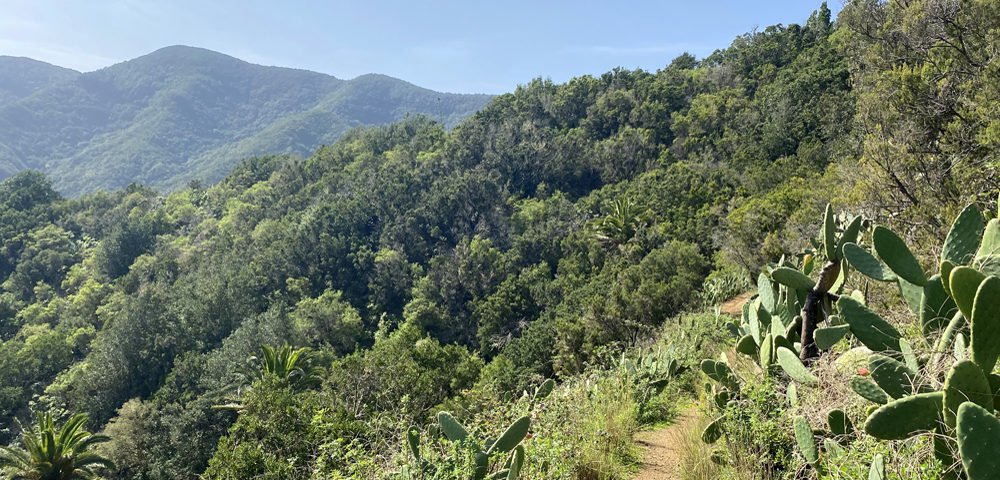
point(52, 453)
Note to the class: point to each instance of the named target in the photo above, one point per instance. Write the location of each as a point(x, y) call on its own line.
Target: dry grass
point(695, 455)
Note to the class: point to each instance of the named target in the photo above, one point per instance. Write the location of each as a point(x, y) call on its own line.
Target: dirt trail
point(734, 306)
point(664, 448)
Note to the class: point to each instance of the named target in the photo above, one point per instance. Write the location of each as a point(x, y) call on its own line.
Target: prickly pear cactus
point(978, 434)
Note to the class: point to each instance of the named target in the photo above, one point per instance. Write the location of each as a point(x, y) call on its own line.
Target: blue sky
point(456, 46)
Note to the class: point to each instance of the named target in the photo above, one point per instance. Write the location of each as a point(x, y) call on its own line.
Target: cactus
point(512, 436)
point(413, 440)
point(946, 268)
point(651, 374)
point(517, 461)
point(936, 307)
point(839, 423)
point(768, 298)
point(985, 325)
point(721, 373)
point(453, 430)
point(867, 264)
point(791, 364)
point(898, 257)
point(850, 236)
point(963, 240)
point(869, 390)
point(713, 431)
point(965, 382)
point(747, 346)
point(869, 328)
point(989, 249)
point(978, 433)
point(829, 336)
point(892, 377)
point(806, 442)
point(509, 440)
point(792, 278)
point(792, 393)
point(906, 417)
point(830, 234)
point(877, 469)
point(832, 448)
point(544, 390)
point(964, 284)
point(766, 354)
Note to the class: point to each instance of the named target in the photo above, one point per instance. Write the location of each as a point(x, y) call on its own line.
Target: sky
point(470, 46)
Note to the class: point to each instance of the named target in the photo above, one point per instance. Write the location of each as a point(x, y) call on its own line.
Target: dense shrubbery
point(430, 270)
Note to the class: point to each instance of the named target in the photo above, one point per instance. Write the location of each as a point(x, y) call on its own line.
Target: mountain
point(182, 113)
point(20, 77)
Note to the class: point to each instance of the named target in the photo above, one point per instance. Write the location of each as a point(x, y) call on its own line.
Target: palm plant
point(621, 224)
point(52, 453)
point(287, 364)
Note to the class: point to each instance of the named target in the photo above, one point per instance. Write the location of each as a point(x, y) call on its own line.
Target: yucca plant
point(52, 453)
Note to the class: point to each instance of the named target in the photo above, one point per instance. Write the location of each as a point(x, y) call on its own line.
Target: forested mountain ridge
point(184, 113)
point(564, 231)
point(20, 77)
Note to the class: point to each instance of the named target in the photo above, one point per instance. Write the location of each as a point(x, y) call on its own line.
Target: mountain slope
point(20, 77)
point(181, 113)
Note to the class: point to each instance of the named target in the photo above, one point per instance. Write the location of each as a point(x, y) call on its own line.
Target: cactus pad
point(806, 442)
point(965, 383)
point(877, 470)
point(829, 234)
point(829, 336)
point(963, 239)
point(516, 462)
point(978, 436)
point(747, 346)
point(839, 423)
point(867, 264)
point(850, 235)
point(512, 436)
point(892, 377)
point(451, 428)
point(898, 256)
point(793, 279)
point(871, 329)
point(721, 373)
point(713, 431)
point(936, 307)
point(869, 390)
point(985, 331)
point(964, 284)
point(906, 417)
point(791, 364)
point(765, 291)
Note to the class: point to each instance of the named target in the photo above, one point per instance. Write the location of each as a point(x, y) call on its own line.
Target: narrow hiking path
point(664, 447)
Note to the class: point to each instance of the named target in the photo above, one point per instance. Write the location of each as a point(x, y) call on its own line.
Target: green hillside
point(517, 296)
point(181, 113)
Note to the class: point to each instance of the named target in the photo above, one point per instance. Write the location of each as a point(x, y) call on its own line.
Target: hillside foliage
point(312, 317)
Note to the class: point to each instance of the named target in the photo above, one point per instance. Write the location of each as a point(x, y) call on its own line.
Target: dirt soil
point(664, 448)
point(734, 306)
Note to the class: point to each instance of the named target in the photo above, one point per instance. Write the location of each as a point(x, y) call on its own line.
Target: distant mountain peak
point(184, 112)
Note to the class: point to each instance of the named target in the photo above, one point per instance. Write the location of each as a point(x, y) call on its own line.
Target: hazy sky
point(456, 46)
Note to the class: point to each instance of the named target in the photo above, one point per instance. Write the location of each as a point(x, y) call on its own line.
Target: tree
point(926, 82)
point(52, 453)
